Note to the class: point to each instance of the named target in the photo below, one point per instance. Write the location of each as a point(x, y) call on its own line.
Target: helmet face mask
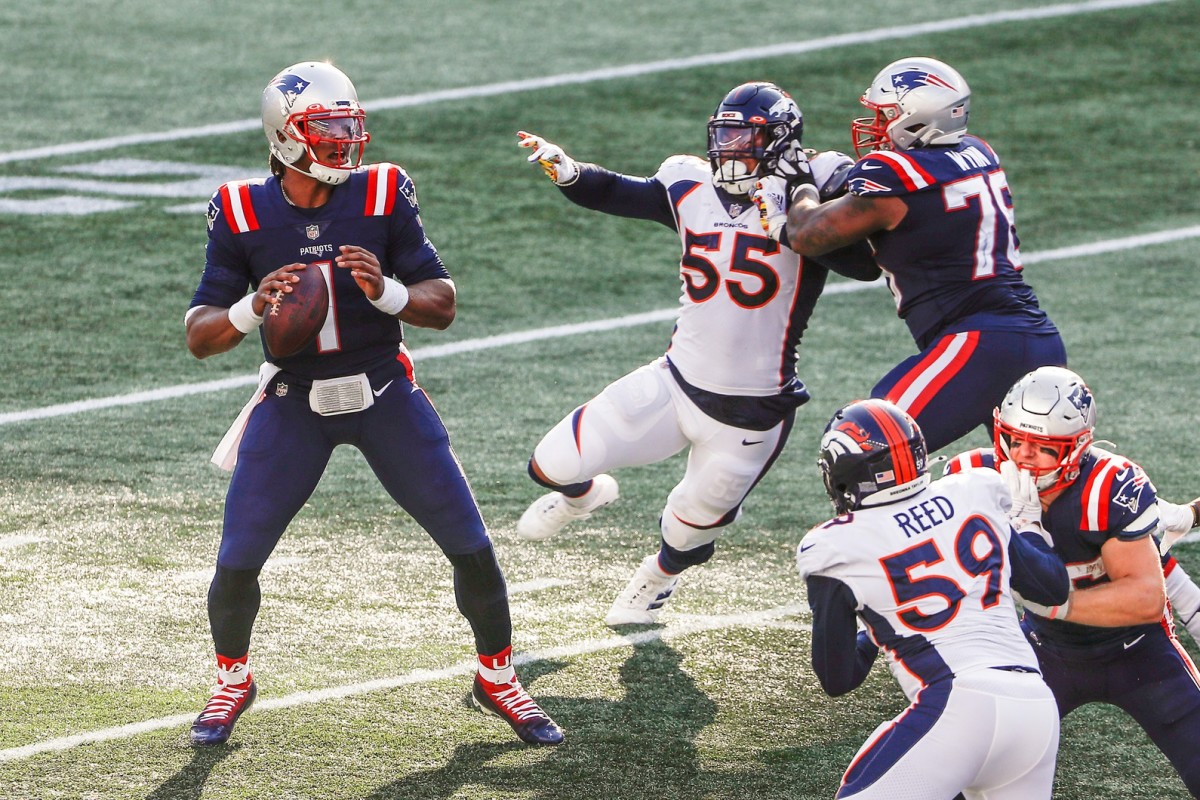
point(872, 453)
point(915, 102)
point(747, 132)
point(313, 122)
point(1052, 409)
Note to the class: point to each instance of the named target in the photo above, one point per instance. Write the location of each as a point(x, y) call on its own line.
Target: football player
point(1113, 640)
point(727, 388)
point(936, 206)
point(927, 568)
point(354, 384)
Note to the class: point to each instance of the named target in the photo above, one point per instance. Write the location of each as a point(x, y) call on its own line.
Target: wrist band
point(1195, 507)
point(394, 297)
point(242, 316)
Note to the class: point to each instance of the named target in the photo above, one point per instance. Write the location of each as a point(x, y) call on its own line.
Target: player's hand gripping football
point(554, 161)
point(1026, 511)
point(364, 268)
point(1175, 521)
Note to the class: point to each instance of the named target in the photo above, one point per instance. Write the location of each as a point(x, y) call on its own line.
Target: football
point(291, 323)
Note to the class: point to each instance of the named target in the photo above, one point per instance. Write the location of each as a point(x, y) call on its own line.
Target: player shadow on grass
point(188, 783)
point(648, 736)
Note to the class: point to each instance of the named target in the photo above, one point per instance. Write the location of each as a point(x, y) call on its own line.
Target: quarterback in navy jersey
point(1113, 640)
point(936, 206)
point(726, 390)
point(360, 226)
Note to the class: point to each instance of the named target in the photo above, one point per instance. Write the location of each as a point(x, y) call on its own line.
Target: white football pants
point(996, 739)
point(644, 417)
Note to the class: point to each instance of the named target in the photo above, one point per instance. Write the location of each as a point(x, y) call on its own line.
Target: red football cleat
point(512, 703)
point(215, 723)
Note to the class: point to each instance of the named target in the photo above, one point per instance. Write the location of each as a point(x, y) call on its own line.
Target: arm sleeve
point(841, 657)
point(601, 189)
point(1038, 574)
point(855, 261)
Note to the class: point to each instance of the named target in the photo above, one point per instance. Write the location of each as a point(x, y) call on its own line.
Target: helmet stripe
point(902, 456)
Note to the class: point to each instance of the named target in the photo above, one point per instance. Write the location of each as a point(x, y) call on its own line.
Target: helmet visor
point(334, 138)
point(735, 140)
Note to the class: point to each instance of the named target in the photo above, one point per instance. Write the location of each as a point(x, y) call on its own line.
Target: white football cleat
point(550, 513)
point(644, 597)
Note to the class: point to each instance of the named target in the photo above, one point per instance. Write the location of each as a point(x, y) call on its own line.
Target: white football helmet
point(1053, 408)
point(916, 102)
point(311, 109)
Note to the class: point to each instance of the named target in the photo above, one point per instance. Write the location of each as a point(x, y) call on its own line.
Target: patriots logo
point(1081, 398)
point(291, 87)
point(212, 213)
point(1129, 492)
point(865, 186)
point(909, 79)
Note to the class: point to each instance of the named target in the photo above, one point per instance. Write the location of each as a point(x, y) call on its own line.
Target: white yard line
point(610, 73)
point(678, 627)
point(553, 332)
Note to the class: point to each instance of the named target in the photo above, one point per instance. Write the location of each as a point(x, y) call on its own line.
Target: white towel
point(225, 456)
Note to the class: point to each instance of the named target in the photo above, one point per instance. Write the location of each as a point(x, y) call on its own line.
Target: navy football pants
point(287, 446)
point(952, 386)
point(1152, 680)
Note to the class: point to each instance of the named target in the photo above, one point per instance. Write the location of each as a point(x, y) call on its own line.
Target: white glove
point(1026, 505)
point(1174, 522)
point(1048, 612)
point(557, 165)
point(825, 165)
point(770, 195)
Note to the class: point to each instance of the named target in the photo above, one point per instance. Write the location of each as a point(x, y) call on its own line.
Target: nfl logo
point(313, 231)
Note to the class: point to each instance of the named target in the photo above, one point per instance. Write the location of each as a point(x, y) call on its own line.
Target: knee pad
point(688, 536)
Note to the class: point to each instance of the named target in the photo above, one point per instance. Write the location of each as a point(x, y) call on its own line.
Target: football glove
point(771, 196)
point(1026, 509)
point(554, 161)
point(1174, 522)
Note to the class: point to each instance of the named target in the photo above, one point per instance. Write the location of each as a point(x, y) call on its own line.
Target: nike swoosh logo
point(1135, 641)
point(871, 166)
point(804, 547)
point(760, 441)
point(382, 389)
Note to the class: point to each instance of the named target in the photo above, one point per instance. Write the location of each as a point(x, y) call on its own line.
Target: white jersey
point(930, 575)
point(741, 306)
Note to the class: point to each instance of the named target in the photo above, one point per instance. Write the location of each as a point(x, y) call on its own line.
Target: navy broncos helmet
point(748, 131)
point(872, 453)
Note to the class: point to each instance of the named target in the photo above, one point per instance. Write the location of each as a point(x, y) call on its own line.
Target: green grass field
point(111, 515)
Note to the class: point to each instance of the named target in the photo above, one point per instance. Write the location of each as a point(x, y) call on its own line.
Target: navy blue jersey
point(253, 231)
point(953, 262)
point(1111, 499)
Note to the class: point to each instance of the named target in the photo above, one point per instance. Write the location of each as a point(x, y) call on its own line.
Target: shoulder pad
point(383, 182)
point(682, 167)
point(235, 202)
point(887, 174)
